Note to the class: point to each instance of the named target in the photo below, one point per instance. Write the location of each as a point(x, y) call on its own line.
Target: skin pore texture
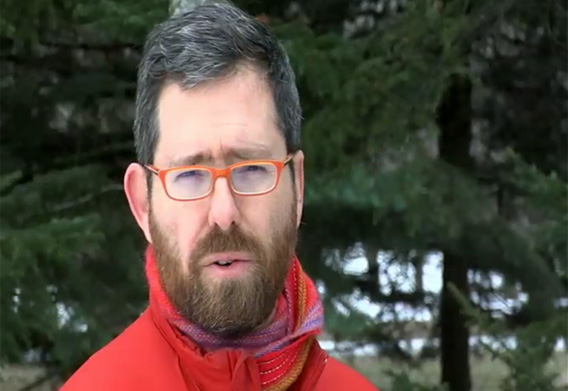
point(216, 124)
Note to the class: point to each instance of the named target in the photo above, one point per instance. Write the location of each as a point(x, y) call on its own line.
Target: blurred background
point(436, 216)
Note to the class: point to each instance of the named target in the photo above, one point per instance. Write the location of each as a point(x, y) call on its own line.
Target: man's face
point(218, 124)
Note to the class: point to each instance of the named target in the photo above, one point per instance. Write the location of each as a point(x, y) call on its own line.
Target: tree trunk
point(371, 253)
point(419, 273)
point(454, 330)
point(454, 121)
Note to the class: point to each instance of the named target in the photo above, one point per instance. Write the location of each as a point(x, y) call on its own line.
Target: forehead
point(212, 119)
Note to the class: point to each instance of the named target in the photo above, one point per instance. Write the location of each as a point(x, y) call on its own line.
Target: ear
point(137, 194)
point(299, 183)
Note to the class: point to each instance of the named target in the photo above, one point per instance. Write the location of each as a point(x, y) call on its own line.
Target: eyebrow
point(259, 152)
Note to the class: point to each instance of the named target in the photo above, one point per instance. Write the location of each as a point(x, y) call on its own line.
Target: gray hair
point(205, 44)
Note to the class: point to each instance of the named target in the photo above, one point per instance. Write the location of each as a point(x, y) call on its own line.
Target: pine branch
point(85, 199)
point(9, 43)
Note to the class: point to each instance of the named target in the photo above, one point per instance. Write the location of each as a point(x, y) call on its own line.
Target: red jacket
point(150, 355)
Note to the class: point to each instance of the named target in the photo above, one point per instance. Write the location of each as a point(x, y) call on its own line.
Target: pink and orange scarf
point(282, 349)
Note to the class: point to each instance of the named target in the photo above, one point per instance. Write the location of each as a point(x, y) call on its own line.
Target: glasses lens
point(253, 178)
point(188, 184)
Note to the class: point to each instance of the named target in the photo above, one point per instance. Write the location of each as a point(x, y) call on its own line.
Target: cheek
point(179, 221)
point(267, 213)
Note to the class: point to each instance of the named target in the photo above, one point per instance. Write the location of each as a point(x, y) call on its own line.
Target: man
point(218, 192)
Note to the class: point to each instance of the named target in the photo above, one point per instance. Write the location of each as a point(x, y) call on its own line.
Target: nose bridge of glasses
point(218, 173)
point(221, 172)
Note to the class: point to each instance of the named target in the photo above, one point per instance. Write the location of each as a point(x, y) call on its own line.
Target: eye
point(252, 168)
point(190, 174)
point(186, 174)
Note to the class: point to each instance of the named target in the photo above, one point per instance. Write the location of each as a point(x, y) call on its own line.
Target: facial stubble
point(229, 307)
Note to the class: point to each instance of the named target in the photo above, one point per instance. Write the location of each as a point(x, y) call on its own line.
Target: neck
point(297, 312)
point(268, 320)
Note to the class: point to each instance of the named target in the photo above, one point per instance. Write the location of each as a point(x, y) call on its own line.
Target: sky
point(403, 277)
point(432, 281)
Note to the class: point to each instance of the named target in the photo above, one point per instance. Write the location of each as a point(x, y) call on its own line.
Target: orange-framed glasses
point(248, 178)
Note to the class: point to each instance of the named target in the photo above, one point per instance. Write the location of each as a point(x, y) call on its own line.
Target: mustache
point(234, 239)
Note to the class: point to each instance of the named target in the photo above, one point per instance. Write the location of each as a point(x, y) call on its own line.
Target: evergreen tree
point(430, 126)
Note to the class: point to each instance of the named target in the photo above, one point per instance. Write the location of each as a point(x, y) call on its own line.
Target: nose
point(223, 210)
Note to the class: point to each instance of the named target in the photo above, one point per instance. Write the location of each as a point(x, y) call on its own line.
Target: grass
point(486, 374)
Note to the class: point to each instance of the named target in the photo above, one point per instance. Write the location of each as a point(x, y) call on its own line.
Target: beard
point(228, 307)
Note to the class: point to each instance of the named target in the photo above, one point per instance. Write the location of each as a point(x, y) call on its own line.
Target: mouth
point(227, 263)
point(226, 259)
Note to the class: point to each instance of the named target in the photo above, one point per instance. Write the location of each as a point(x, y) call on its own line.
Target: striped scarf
point(281, 349)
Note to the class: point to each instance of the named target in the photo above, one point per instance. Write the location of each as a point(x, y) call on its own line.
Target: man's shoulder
point(337, 376)
point(119, 364)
